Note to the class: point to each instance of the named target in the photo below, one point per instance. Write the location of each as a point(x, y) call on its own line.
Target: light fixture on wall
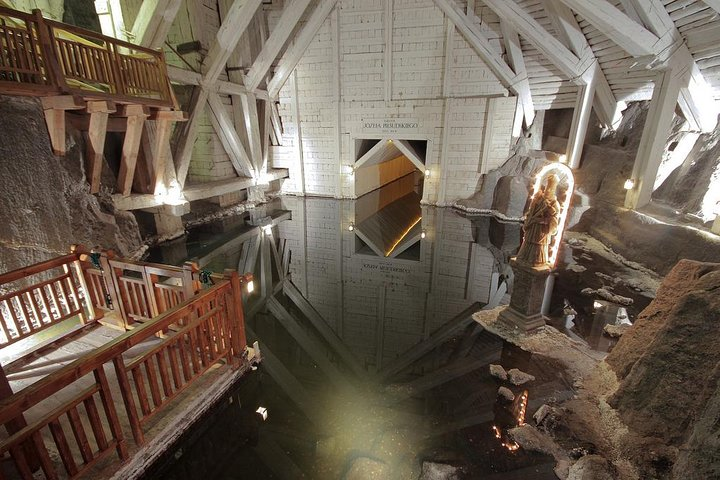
point(423, 234)
point(250, 286)
point(629, 184)
point(562, 158)
point(267, 229)
point(262, 411)
point(351, 227)
point(427, 172)
point(349, 170)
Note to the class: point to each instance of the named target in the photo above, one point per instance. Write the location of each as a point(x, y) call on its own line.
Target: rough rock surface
point(668, 366)
point(506, 394)
point(498, 371)
point(46, 201)
point(364, 468)
point(616, 331)
point(518, 377)
point(592, 467)
point(439, 471)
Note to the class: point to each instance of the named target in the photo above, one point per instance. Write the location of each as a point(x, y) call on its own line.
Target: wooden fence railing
point(40, 55)
point(40, 296)
point(199, 333)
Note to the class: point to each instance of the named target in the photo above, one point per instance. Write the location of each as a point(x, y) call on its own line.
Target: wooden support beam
point(285, 26)
point(252, 126)
point(714, 4)
point(407, 150)
point(313, 348)
point(517, 62)
point(153, 22)
point(581, 118)
point(479, 42)
point(99, 111)
point(372, 153)
point(655, 134)
point(608, 108)
point(618, 27)
point(160, 147)
point(136, 115)
point(528, 27)
point(297, 50)
point(225, 130)
point(188, 134)
point(236, 21)
point(54, 109)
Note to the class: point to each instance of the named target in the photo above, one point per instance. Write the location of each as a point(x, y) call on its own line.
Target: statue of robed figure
point(541, 224)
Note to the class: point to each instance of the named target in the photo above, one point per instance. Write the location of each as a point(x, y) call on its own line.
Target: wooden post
point(188, 278)
point(99, 111)
point(29, 450)
point(54, 109)
point(128, 400)
point(160, 147)
point(80, 273)
point(581, 117)
point(47, 46)
point(136, 115)
point(237, 322)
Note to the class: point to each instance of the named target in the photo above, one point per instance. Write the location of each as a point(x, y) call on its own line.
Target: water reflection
point(372, 362)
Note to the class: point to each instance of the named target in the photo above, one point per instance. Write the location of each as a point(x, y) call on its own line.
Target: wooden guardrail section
point(202, 330)
point(39, 56)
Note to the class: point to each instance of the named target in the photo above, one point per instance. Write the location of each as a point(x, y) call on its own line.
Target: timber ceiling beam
point(714, 4)
point(515, 57)
point(607, 106)
point(695, 99)
point(225, 129)
point(302, 41)
point(153, 21)
point(236, 21)
point(618, 27)
point(285, 26)
point(510, 12)
point(480, 43)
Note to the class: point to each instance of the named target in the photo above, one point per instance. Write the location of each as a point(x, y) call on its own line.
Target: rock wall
point(45, 201)
point(668, 366)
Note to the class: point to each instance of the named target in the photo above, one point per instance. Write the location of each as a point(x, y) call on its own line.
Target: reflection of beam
point(443, 334)
point(449, 372)
point(287, 381)
point(229, 246)
point(319, 323)
point(461, 424)
point(275, 458)
point(314, 348)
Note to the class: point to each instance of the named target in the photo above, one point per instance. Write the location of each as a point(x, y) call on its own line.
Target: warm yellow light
point(250, 286)
point(397, 242)
point(629, 184)
point(423, 234)
point(427, 172)
point(565, 171)
point(562, 158)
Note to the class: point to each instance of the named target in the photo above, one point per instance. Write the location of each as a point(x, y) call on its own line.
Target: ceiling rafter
point(480, 43)
point(517, 62)
point(285, 26)
point(607, 106)
point(153, 22)
point(302, 41)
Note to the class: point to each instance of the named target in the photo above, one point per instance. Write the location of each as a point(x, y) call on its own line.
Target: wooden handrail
point(24, 272)
point(21, 401)
point(45, 55)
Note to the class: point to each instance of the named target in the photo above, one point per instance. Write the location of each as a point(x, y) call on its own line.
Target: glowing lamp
point(423, 234)
point(262, 411)
point(267, 229)
point(597, 304)
point(562, 158)
point(351, 227)
point(427, 172)
point(629, 184)
point(250, 286)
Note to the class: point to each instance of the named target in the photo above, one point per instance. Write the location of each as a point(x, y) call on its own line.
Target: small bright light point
point(562, 158)
point(427, 172)
point(389, 141)
point(250, 286)
point(351, 227)
point(423, 234)
point(629, 184)
point(597, 304)
point(263, 412)
point(267, 229)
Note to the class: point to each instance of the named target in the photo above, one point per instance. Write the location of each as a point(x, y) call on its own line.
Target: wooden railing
point(40, 55)
point(200, 332)
point(41, 296)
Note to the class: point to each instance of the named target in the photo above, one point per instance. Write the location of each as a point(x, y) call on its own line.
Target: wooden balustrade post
point(238, 338)
point(28, 449)
point(128, 400)
point(49, 54)
point(189, 274)
point(112, 288)
point(80, 274)
point(110, 412)
point(114, 56)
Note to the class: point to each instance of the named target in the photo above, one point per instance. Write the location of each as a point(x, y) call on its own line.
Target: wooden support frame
point(153, 22)
point(229, 137)
point(517, 62)
point(136, 115)
point(54, 108)
point(99, 112)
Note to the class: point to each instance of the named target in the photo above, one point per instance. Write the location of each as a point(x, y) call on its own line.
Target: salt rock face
point(668, 365)
point(498, 371)
point(364, 468)
point(439, 471)
point(591, 467)
point(46, 201)
point(518, 377)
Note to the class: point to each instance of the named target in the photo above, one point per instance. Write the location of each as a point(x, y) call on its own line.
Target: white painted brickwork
point(418, 84)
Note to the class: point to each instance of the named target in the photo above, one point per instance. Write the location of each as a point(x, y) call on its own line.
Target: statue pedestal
point(524, 312)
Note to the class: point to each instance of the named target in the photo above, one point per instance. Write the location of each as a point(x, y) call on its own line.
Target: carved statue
point(541, 223)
